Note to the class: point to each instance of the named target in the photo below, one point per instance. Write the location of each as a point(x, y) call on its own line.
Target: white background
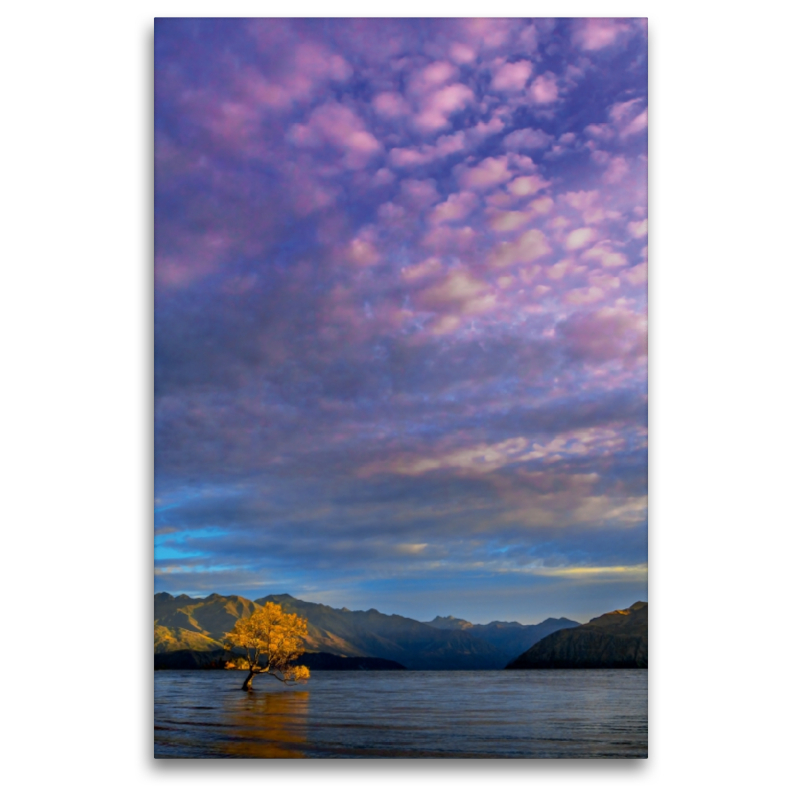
point(76, 407)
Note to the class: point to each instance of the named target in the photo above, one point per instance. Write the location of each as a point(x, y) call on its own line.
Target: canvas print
point(401, 388)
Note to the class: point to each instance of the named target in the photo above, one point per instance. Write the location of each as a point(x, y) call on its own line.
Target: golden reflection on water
point(267, 724)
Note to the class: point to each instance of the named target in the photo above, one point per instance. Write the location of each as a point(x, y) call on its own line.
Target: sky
point(401, 313)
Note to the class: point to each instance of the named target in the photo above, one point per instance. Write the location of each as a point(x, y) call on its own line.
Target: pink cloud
point(308, 195)
point(550, 497)
point(564, 267)
point(445, 239)
point(587, 202)
point(315, 62)
point(524, 164)
point(529, 274)
point(337, 125)
point(390, 105)
point(529, 37)
point(447, 323)
point(600, 130)
point(527, 139)
point(501, 199)
point(595, 34)
point(265, 93)
point(636, 125)
point(617, 170)
point(457, 206)
point(481, 130)
point(197, 257)
point(489, 172)
point(461, 53)
point(445, 145)
point(604, 281)
point(425, 269)
point(531, 245)
point(564, 145)
point(580, 238)
point(304, 191)
point(412, 156)
point(235, 125)
point(586, 295)
point(544, 89)
point(382, 177)
point(409, 157)
point(512, 77)
point(309, 68)
point(418, 194)
point(606, 256)
point(624, 122)
point(439, 106)
point(391, 214)
point(637, 275)
point(606, 334)
point(625, 119)
point(362, 253)
point(619, 112)
point(487, 34)
point(431, 77)
point(638, 229)
point(527, 185)
point(457, 291)
point(582, 200)
point(542, 205)
point(508, 220)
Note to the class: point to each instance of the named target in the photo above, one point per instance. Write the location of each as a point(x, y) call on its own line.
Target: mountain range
point(617, 639)
point(186, 623)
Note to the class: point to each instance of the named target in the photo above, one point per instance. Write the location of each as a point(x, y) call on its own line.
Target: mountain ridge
point(617, 639)
point(200, 624)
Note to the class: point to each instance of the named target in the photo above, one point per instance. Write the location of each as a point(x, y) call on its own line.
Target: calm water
point(530, 714)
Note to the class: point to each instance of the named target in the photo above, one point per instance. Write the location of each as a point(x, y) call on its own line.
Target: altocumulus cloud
point(401, 313)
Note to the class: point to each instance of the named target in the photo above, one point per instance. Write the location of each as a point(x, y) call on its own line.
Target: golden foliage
point(271, 640)
point(298, 674)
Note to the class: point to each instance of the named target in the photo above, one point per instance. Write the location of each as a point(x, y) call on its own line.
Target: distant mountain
point(370, 633)
point(199, 624)
point(166, 640)
point(508, 637)
point(196, 623)
point(450, 623)
point(617, 639)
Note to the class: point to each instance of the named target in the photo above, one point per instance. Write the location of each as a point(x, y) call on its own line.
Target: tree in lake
point(271, 641)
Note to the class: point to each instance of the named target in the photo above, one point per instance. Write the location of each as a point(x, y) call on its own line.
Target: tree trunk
point(247, 686)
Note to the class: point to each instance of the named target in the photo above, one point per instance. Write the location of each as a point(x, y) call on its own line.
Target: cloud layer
point(401, 312)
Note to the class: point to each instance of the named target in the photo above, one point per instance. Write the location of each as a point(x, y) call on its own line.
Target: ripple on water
point(515, 714)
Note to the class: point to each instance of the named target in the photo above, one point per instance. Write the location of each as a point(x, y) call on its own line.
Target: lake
point(486, 714)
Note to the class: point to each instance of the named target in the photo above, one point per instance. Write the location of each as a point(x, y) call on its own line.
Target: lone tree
point(271, 640)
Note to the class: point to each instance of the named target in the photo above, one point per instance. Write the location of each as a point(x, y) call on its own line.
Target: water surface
point(482, 714)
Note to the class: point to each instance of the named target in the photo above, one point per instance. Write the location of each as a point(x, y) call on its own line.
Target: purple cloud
point(401, 302)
